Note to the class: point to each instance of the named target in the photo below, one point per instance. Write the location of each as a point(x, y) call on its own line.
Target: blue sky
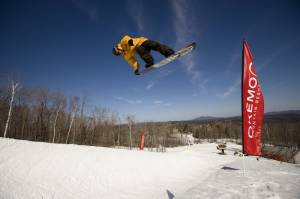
point(67, 45)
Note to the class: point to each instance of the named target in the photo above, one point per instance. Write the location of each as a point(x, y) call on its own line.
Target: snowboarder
point(129, 47)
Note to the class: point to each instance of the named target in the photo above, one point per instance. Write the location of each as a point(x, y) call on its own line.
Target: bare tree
point(114, 120)
point(130, 121)
point(73, 114)
point(81, 120)
point(14, 87)
point(59, 102)
point(42, 113)
point(55, 121)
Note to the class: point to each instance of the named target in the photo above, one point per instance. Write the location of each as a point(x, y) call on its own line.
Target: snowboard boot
point(148, 65)
point(169, 52)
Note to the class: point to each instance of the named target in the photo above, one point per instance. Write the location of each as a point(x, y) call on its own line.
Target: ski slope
point(41, 170)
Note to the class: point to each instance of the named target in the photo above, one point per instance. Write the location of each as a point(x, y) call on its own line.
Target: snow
point(43, 170)
point(297, 158)
point(187, 139)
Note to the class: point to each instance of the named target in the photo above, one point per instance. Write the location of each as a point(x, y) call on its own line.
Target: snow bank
point(42, 170)
point(297, 158)
point(261, 179)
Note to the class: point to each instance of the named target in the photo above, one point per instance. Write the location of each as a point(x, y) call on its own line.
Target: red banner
point(142, 141)
point(252, 105)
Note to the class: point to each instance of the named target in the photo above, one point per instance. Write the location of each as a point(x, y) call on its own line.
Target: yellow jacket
point(130, 51)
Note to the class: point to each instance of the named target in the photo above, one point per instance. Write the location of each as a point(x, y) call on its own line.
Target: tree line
point(39, 114)
point(280, 131)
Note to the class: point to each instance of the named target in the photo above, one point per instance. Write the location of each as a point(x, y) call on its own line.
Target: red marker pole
point(142, 141)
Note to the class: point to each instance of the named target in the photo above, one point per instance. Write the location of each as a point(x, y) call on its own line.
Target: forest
point(39, 114)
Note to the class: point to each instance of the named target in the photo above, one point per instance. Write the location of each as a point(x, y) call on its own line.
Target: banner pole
point(242, 95)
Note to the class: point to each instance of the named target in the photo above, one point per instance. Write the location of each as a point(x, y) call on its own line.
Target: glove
point(136, 72)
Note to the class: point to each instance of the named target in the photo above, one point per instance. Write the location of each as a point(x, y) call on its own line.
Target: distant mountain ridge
point(205, 118)
point(283, 112)
point(289, 114)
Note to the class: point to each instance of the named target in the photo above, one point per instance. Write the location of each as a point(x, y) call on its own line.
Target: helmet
point(115, 51)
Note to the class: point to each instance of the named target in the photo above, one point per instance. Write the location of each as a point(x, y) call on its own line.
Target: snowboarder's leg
point(163, 49)
point(145, 55)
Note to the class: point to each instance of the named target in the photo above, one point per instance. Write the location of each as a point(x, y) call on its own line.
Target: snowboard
point(177, 54)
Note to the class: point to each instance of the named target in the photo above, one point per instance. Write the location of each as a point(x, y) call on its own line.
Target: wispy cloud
point(161, 103)
point(136, 11)
point(150, 85)
point(231, 89)
point(202, 84)
point(235, 58)
point(134, 102)
point(157, 102)
point(183, 26)
point(157, 79)
point(90, 10)
point(283, 49)
point(181, 23)
point(129, 101)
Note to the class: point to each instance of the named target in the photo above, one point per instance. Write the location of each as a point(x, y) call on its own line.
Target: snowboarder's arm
point(126, 42)
point(132, 61)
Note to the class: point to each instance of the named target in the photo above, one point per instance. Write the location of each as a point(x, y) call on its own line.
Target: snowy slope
point(41, 170)
point(261, 179)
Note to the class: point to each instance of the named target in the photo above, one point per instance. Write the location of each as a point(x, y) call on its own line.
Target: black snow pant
point(148, 45)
